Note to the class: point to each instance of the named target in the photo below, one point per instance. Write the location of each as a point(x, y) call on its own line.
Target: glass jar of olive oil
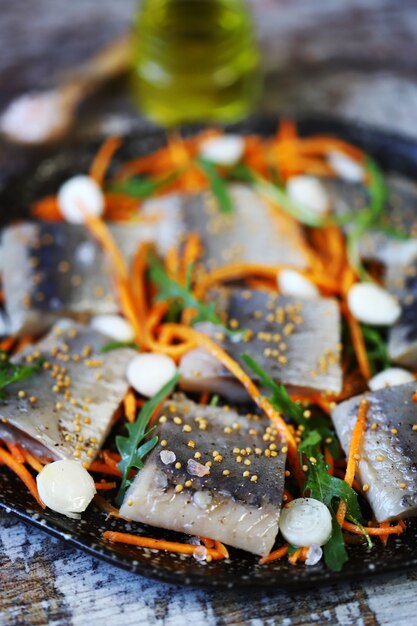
point(195, 61)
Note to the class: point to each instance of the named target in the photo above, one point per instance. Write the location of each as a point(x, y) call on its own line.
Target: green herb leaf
point(116, 345)
point(13, 373)
point(376, 347)
point(329, 490)
point(214, 400)
point(334, 551)
point(278, 196)
point(292, 549)
point(142, 187)
point(134, 448)
point(170, 289)
point(325, 488)
point(363, 529)
point(310, 441)
point(279, 398)
point(217, 184)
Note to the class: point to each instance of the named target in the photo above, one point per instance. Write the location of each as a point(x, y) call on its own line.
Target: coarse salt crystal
point(167, 457)
point(314, 554)
point(197, 469)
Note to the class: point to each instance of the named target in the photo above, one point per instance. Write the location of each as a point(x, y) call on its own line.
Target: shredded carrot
point(384, 538)
point(221, 548)
point(274, 556)
point(23, 343)
point(354, 450)
point(192, 252)
point(101, 233)
point(104, 468)
point(16, 452)
point(119, 207)
point(298, 555)
point(172, 262)
point(32, 460)
point(129, 405)
point(7, 344)
point(359, 346)
point(47, 209)
point(20, 470)
point(204, 397)
point(102, 159)
point(159, 544)
point(103, 486)
point(398, 529)
point(237, 271)
point(109, 460)
point(217, 545)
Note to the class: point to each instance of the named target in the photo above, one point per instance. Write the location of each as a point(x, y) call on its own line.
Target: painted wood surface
point(354, 58)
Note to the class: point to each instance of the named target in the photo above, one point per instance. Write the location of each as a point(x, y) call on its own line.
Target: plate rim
point(342, 126)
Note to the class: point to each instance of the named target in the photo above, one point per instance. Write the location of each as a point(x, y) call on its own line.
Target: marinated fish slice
point(297, 342)
point(251, 233)
point(67, 408)
point(388, 459)
point(402, 339)
point(400, 215)
point(213, 473)
point(54, 269)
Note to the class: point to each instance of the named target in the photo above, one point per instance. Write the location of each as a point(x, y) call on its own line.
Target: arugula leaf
point(376, 348)
point(310, 441)
point(329, 490)
point(131, 448)
point(325, 488)
point(370, 217)
point(170, 289)
point(143, 187)
point(279, 398)
point(319, 484)
point(214, 400)
point(13, 373)
point(115, 345)
point(334, 551)
point(217, 184)
point(281, 401)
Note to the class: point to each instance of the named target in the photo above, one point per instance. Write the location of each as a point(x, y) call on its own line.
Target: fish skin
point(390, 408)
point(401, 280)
point(303, 348)
point(400, 214)
point(43, 424)
point(251, 233)
point(240, 512)
point(54, 269)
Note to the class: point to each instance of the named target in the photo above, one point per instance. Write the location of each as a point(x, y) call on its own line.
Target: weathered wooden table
point(355, 59)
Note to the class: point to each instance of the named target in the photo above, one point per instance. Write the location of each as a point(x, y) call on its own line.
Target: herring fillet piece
point(296, 341)
point(399, 214)
point(401, 280)
point(251, 233)
point(53, 269)
point(388, 462)
point(229, 507)
point(78, 428)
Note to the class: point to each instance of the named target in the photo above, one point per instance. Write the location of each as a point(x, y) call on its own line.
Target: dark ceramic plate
point(242, 570)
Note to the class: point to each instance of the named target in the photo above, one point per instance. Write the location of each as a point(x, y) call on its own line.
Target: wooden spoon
point(42, 117)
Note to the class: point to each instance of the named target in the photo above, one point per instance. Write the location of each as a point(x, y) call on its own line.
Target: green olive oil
point(195, 61)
